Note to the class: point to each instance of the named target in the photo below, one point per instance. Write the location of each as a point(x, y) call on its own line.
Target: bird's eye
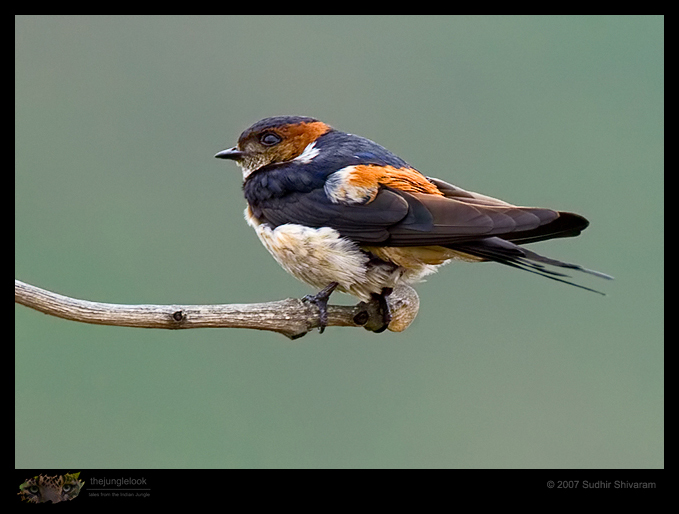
point(269, 139)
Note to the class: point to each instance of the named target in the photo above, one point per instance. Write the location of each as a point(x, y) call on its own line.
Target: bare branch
point(290, 317)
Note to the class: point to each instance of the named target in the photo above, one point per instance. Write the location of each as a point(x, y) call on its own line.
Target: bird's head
point(275, 140)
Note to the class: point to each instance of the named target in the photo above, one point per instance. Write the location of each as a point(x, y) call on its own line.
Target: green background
point(118, 199)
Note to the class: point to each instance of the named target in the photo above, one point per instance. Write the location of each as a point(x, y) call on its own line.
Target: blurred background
point(118, 199)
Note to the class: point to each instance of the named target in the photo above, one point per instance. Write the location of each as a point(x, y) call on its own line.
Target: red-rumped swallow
point(338, 211)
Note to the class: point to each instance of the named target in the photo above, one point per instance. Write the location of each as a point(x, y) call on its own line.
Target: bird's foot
point(320, 300)
point(384, 309)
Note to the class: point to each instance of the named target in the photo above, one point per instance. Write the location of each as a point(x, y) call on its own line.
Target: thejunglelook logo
point(56, 489)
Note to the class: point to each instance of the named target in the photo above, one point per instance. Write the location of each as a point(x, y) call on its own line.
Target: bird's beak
point(231, 153)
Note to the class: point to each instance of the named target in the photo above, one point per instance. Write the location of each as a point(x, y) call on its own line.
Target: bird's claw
point(320, 300)
point(381, 300)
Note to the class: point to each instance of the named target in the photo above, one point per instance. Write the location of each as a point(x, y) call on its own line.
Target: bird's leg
point(381, 300)
point(320, 300)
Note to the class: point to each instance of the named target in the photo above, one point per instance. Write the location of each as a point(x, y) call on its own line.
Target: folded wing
point(460, 220)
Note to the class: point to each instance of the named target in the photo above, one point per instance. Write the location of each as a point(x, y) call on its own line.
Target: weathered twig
point(290, 317)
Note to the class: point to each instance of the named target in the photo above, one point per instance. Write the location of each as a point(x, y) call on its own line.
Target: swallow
point(340, 212)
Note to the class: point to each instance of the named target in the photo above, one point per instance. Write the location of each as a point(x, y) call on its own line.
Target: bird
point(341, 212)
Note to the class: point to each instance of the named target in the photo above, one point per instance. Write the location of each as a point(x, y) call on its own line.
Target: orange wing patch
point(406, 179)
point(361, 183)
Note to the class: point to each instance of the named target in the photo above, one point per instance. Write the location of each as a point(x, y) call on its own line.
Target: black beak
point(231, 153)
